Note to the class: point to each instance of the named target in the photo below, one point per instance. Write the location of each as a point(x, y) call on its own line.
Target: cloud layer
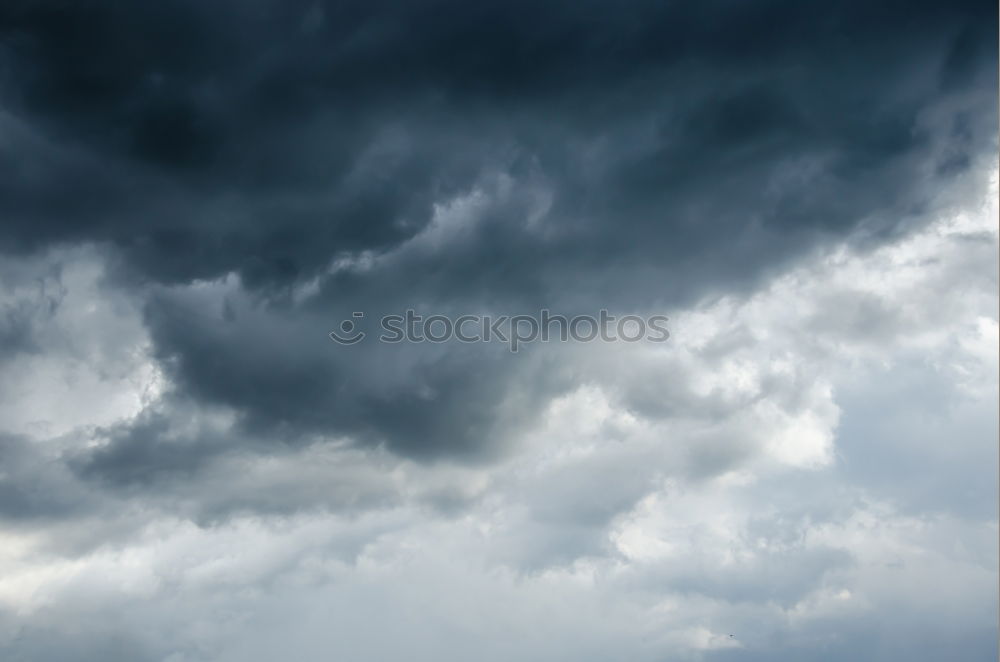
point(191, 470)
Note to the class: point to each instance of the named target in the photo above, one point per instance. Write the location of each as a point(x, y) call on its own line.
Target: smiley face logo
point(348, 335)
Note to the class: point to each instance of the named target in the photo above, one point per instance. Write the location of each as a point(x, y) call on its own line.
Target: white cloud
point(678, 494)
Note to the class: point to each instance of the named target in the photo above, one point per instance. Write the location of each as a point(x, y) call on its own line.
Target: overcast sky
point(195, 194)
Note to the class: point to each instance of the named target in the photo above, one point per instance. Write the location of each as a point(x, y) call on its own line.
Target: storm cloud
point(196, 194)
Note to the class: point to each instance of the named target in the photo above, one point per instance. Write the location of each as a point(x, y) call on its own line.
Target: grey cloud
point(895, 435)
point(96, 644)
point(145, 452)
point(288, 380)
point(197, 194)
point(702, 148)
point(36, 486)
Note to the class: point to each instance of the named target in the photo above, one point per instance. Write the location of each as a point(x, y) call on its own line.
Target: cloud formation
point(197, 194)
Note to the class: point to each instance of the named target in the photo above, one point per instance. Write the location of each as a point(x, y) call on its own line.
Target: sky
point(195, 195)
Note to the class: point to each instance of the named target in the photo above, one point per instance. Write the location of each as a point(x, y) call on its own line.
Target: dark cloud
point(288, 381)
point(244, 127)
point(146, 452)
point(195, 194)
point(633, 157)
